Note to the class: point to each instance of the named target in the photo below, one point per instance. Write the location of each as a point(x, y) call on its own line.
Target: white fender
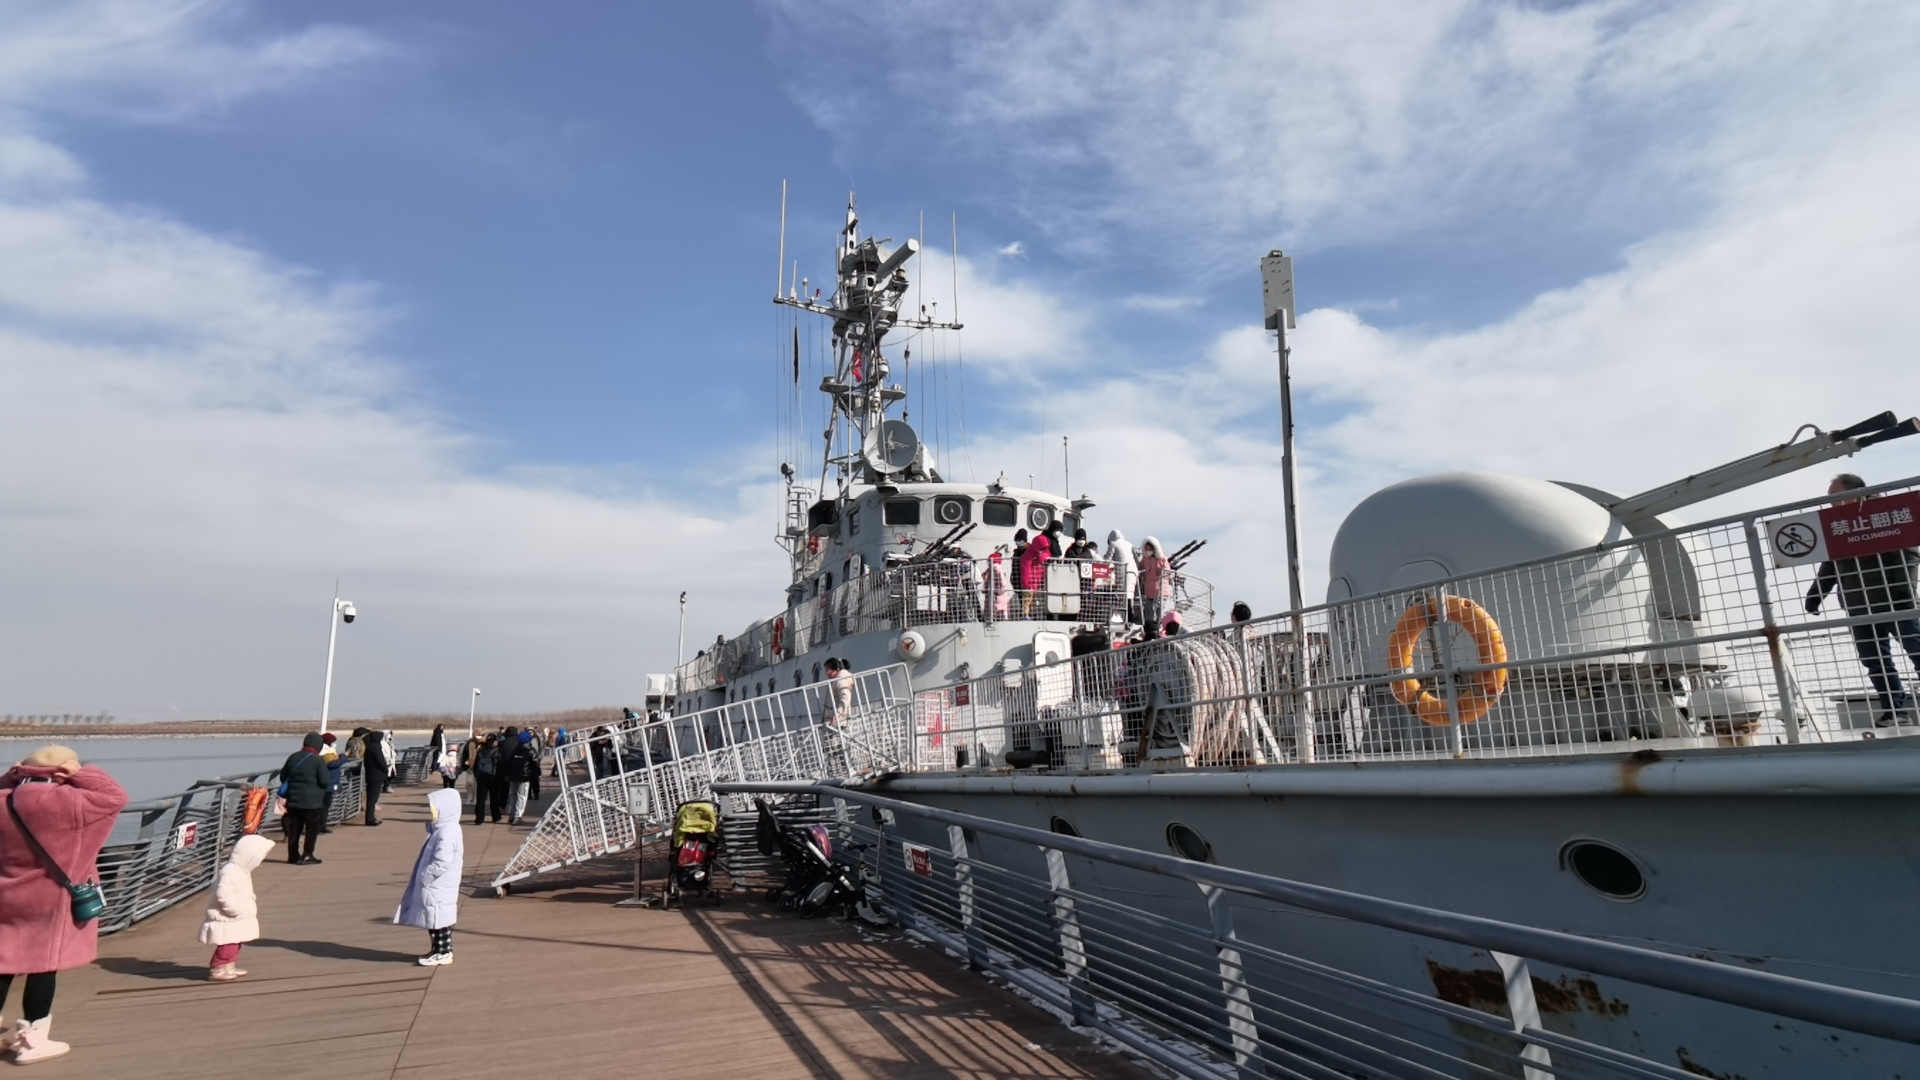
point(911, 645)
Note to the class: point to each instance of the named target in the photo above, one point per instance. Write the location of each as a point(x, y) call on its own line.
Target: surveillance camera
point(346, 612)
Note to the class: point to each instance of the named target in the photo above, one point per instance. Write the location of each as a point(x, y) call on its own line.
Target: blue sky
point(467, 305)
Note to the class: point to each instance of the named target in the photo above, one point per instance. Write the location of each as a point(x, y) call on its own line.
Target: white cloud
point(1250, 122)
point(28, 162)
point(1013, 249)
point(160, 59)
point(1160, 304)
point(1789, 306)
point(198, 438)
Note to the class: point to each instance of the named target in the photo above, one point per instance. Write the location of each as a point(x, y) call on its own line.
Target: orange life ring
point(1473, 702)
point(256, 810)
point(779, 634)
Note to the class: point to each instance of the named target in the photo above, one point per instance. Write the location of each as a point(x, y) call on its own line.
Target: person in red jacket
point(60, 812)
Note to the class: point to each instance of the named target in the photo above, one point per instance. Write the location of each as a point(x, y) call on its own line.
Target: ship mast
point(871, 281)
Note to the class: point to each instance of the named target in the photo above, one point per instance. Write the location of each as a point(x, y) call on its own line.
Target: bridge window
point(902, 512)
point(853, 521)
point(1000, 512)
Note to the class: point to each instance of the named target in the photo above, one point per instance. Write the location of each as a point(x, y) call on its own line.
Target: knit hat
point(313, 741)
point(51, 757)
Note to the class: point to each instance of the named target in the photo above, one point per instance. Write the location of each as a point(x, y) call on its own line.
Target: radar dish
point(891, 448)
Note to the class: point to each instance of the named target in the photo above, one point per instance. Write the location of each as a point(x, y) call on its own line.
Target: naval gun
point(1597, 575)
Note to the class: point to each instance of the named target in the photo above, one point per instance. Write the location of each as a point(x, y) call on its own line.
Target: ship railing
point(1216, 986)
point(1691, 637)
point(949, 591)
point(620, 788)
point(166, 850)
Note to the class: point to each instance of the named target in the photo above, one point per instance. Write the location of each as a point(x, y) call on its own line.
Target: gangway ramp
point(619, 788)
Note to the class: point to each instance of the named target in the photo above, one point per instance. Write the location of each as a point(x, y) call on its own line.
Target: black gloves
point(1813, 603)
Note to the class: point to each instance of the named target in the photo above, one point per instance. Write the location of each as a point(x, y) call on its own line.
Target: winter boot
point(225, 973)
point(6, 1036)
point(31, 1042)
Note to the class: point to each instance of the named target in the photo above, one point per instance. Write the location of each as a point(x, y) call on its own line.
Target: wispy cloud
point(161, 59)
point(1251, 122)
point(197, 437)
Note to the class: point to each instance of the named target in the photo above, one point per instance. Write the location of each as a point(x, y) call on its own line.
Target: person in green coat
point(303, 784)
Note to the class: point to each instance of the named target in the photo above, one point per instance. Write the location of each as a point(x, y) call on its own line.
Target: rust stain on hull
point(1630, 770)
point(1485, 990)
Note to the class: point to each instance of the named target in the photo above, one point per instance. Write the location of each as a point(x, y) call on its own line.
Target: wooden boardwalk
point(548, 984)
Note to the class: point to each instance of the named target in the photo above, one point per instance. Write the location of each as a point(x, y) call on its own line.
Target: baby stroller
point(690, 859)
point(815, 880)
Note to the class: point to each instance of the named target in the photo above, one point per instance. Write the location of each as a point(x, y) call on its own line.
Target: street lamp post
point(471, 706)
point(342, 611)
point(680, 653)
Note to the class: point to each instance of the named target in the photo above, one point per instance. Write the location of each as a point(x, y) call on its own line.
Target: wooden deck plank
point(552, 980)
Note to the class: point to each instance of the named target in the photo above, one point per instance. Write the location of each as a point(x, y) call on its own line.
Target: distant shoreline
point(185, 728)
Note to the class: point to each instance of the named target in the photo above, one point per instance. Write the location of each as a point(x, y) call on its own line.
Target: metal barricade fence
point(1189, 992)
point(619, 788)
point(1688, 638)
point(413, 764)
point(181, 841)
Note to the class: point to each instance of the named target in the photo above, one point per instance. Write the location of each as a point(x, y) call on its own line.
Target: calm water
point(150, 768)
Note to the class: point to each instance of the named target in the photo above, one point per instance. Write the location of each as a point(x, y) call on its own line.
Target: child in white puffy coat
point(233, 917)
point(432, 899)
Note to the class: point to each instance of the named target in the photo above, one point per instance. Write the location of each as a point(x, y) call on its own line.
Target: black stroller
point(690, 859)
point(815, 879)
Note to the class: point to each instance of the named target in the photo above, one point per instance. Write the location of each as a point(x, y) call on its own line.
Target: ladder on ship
point(620, 789)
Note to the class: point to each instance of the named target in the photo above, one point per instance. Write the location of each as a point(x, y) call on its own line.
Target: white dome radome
point(1440, 526)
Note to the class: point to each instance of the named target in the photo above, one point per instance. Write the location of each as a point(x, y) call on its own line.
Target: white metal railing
point(1688, 637)
point(178, 843)
point(949, 591)
point(1179, 984)
point(620, 788)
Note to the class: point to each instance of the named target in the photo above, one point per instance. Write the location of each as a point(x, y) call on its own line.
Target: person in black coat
point(1879, 584)
point(303, 783)
point(522, 769)
point(373, 763)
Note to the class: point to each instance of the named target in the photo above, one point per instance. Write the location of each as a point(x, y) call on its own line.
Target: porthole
point(1188, 844)
point(1039, 516)
point(1605, 869)
point(1062, 826)
point(950, 511)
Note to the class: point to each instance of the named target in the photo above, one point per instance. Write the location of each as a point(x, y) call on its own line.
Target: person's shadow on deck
point(334, 950)
point(152, 969)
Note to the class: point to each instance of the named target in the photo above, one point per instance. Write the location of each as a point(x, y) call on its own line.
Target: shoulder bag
point(87, 901)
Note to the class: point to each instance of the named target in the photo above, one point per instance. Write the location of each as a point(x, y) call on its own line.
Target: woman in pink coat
point(1033, 574)
point(69, 808)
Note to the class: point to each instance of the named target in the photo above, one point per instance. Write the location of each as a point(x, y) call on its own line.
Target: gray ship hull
point(1814, 881)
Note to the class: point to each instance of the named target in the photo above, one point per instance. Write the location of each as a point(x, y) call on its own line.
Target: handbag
point(85, 898)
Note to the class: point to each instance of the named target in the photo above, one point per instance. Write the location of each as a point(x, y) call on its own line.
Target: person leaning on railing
point(57, 818)
point(1879, 584)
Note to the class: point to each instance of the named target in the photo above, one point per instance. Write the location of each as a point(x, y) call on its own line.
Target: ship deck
point(552, 977)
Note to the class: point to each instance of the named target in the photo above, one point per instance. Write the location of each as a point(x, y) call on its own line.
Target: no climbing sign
point(1847, 530)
